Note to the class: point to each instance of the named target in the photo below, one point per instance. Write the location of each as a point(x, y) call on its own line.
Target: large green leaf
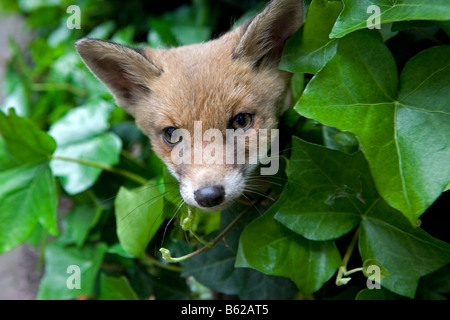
point(82, 134)
point(309, 50)
point(406, 252)
point(65, 266)
point(403, 132)
point(25, 142)
point(112, 288)
point(281, 252)
point(355, 16)
point(139, 214)
point(329, 193)
point(27, 187)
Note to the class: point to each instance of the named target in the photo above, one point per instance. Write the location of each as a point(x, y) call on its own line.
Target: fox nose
point(210, 196)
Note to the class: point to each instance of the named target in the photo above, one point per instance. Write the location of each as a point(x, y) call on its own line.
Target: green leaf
point(32, 5)
point(278, 251)
point(18, 100)
point(102, 31)
point(117, 249)
point(407, 253)
point(82, 134)
point(372, 262)
point(435, 286)
point(309, 51)
point(377, 294)
point(112, 288)
point(338, 140)
point(78, 222)
point(59, 280)
point(216, 269)
point(27, 187)
point(402, 132)
point(27, 196)
point(25, 142)
point(139, 214)
point(7, 161)
point(327, 192)
point(355, 16)
point(164, 285)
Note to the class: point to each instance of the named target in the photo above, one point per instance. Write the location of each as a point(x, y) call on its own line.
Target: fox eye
point(243, 121)
point(168, 136)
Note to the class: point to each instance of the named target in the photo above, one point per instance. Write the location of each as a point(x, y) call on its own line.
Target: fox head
point(232, 82)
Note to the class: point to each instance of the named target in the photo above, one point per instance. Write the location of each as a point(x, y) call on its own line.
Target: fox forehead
point(202, 82)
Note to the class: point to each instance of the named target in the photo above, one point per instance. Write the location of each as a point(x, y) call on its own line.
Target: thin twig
point(166, 254)
point(124, 173)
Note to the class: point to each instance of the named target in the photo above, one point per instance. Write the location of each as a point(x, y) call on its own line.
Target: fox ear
point(125, 71)
point(263, 38)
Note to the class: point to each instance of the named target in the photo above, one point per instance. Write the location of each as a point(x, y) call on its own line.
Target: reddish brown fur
point(210, 82)
point(202, 82)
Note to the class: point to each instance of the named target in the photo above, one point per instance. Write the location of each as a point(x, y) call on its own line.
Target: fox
point(229, 83)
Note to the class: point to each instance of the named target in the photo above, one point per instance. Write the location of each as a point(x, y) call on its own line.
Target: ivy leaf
point(367, 266)
point(327, 192)
point(82, 134)
point(78, 222)
point(309, 51)
point(215, 268)
point(334, 193)
point(354, 16)
point(407, 253)
point(139, 214)
point(281, 252)
point(402, 132)
point(25, 142)
point(58, 258)
point(27, 187)
point(435, 286)
point(377, 294)
point(112, 288)
point(17, 99)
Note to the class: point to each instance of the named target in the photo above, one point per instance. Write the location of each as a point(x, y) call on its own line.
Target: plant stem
point(350, 249)
point(206, 243)
point(168, 258)
point(429, 36)
point(342, 272)
point(121, 172)
point(151, 261)
point(349, 272)
point(59, 87)
point(127, 155)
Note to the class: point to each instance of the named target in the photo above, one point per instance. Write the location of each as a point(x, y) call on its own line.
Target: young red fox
point(232, 82)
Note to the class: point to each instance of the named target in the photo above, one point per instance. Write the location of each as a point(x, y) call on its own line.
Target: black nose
point(210, 196)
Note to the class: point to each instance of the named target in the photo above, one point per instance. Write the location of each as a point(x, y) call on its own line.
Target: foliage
point(365, 155)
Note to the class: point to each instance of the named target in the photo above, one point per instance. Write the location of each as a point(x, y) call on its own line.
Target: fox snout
point(213, 166)
point(230, 83)
point(206, 179)
point(210, 196)
point(212, 191)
